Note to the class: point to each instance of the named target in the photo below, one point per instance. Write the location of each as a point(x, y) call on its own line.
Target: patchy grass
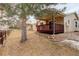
point(35, 45)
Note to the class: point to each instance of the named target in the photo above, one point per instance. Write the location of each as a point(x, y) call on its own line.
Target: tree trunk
point(23, 30)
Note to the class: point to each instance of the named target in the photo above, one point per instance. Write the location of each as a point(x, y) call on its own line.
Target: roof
point(48, 14)
point(74, 13)
point(49, 17)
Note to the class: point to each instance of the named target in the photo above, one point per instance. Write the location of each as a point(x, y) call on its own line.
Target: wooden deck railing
point(46, 29)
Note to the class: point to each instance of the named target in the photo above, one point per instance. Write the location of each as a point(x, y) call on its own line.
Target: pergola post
point(53, 28)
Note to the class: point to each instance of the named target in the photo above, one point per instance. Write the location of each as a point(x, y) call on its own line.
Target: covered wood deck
point(57, 25)
point(46, 29)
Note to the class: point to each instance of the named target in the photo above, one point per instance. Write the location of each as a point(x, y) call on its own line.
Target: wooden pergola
point(57, 25)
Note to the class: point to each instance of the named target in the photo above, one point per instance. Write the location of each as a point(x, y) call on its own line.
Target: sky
point(71, 7)
point(31, 20)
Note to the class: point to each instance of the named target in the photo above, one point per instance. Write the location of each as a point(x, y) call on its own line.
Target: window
point(75, 24)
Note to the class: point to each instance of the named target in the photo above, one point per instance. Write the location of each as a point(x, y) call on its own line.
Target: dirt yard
point(36, 45)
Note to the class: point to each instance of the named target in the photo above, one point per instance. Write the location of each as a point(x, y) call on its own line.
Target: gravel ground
point(36, 45)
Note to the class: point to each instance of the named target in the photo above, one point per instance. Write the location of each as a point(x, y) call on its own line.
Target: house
point(67, 23)
point(71, 22)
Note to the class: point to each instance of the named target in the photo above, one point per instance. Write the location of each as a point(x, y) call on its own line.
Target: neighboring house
point(71, 22)
point(4, 27)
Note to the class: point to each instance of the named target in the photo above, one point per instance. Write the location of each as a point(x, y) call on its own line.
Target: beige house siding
point(69, 22)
